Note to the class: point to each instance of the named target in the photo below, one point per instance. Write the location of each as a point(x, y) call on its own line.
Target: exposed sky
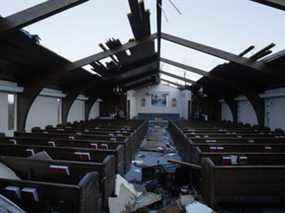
point(231, 25)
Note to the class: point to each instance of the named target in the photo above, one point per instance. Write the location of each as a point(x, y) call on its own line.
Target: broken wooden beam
point(215, 52)
point(178, 77)
point(261, 52)
point(185, 67)
point(243, 53)
point(34, 14)
point(105, 54)
point(278, 4)
point(182, 163)
point(171, 82)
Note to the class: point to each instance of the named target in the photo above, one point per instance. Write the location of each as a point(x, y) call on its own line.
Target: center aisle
point(156, 149)
point(153, 184)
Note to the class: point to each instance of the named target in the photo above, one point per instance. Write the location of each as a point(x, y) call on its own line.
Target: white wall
point(131, 96)
point(185, 98)
point(275, 108)
point(95, 110)
point(77, 111)
point(44, 111)
point(226, 112)
point(7, 88)
point(182, 98)
point(246, 113)
point(4, 112)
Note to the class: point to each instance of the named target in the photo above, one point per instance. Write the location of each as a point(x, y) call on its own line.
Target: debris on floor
point(7, 206)
point(160, 175)
point(128, 199)
point(147, 199)
point(198, 207)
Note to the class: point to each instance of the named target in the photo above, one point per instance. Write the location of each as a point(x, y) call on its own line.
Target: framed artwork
point(174, 102)
point(143, 102)
point(159, 99)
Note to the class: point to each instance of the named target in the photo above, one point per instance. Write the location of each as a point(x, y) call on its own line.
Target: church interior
point(181, 108)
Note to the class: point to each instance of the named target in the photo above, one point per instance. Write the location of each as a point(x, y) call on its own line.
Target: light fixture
point(117, 89)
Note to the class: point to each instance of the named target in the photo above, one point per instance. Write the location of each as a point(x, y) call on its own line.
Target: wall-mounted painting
point(143, 102)
point(174, 102)
point(159, 99)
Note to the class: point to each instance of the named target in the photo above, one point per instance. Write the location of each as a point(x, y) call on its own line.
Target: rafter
point(105, 54)
point(159, 23)
point(185, 67)
point(243, 53)
point(137, 71)
point(138, 81)
point(279, 4)
point(178, 77)
point(215, 52)
point(263, 52)
point(171, 82)
point(142, 84)
point(34, 14)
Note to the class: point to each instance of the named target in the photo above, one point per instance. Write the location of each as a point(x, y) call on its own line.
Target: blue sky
point(231, 25)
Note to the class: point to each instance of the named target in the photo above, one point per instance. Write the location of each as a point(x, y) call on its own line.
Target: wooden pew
point(222, 130)
point(43, 189)
point(101, 148)
point(103, 164)
point(199, 155)
point(248, 167)
point(261, 181)
point(135, 129)
point(235, 135)
point(186, 145)
point(131, 143)
point(252, 140)
point(124, 154)
point(64, 135)
point(113, 133)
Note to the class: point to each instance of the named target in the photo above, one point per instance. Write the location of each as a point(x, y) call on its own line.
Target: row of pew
point(239, 164)
point(69, 168)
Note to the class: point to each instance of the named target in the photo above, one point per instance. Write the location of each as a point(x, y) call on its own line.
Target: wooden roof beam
point(171, 82)
point(102, 46)
point(278, 4)
point(243, 53)
point(137, 71)
point(214, 52)
point(142, 84)
point(185, 67)
point(263, 52)
point(159, 23)
point(139, 81)
point(178, 77)
point(105, 54)
point(36, 84)
point(34, 14)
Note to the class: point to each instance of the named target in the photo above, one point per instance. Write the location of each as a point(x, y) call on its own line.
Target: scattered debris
point(7, 173)
point(7, 206)
point(141, 155)
point(125, 196)
point(193, 166)
point(198, 207)
point(138, 163)
point(186, 200)
point(41, 156)
point(147, 199)
point(171, 209)
point(128, 199)
point(159, 176)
